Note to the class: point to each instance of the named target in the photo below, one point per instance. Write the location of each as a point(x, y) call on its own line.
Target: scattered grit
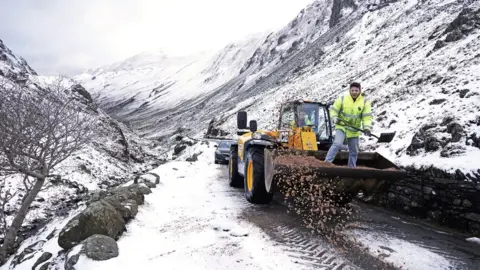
point(317, 202)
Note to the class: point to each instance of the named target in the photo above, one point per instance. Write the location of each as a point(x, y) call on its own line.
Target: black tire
point(256, 192)
point(234, 178)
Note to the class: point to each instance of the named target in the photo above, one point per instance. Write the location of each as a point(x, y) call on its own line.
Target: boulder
point(107, 213)
point(98, 218)
point(126, 208)
point(456, 130)
point(96, 247)
point(100, 247)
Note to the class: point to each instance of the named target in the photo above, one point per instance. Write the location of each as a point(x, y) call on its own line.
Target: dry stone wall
point(448, 199)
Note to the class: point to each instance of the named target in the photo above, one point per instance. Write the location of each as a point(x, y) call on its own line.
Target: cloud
point(67, 36)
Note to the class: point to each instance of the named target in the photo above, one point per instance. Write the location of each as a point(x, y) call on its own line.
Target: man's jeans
point(353, 144)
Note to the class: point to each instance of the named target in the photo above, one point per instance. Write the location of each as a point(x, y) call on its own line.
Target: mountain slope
point(417, 61)
point(115, 156)
point(151, 81)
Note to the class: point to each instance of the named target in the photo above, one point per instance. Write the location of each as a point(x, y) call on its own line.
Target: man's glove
point(367, 131)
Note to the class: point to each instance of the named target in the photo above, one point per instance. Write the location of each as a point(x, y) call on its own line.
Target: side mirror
point(253, 125)
point(242, 120)
point(216, 146)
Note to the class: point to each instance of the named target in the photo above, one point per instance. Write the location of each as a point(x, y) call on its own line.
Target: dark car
point(222, 154)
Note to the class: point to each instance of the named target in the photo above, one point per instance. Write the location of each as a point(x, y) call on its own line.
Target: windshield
point(310, 114)
point(224, 145)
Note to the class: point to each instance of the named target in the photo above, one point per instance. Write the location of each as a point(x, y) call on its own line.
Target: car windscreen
point(224, 144)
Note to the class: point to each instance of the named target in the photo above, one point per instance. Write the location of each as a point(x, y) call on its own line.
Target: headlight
point(257, 135)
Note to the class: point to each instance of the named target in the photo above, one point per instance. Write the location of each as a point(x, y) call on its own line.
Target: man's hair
point(356, 84)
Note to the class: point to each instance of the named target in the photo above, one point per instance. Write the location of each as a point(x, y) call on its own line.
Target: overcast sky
point(70, 36)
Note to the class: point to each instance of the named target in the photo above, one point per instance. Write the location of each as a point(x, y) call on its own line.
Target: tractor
point(304, 132)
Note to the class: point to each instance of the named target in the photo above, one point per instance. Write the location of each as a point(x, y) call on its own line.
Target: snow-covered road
point(193, 220)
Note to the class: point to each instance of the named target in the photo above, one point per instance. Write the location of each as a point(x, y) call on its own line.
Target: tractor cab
point(303, 113)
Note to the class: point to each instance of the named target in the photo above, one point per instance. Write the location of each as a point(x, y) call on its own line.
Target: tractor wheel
point(234, 178)
point(255, 190)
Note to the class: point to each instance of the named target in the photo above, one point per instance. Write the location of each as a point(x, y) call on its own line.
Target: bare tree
point(39, 128)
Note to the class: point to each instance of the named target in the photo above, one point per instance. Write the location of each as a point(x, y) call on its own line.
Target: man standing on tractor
point(349, 112)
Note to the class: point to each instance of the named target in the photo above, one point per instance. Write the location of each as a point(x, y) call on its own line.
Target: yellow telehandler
point(294, 154)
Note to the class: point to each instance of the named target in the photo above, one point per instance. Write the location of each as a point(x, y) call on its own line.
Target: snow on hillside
point(113, 158)
point(418, 62)
point(11, 65)
point(308, 25)
point(426, 94)
point(153, 81)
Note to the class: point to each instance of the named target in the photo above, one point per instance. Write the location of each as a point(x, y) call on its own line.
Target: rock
point(213, 132)
point(424, 139)
point(456, 130)
point(453, 150)
point(464, 92)
point(72, 259)
point(439, 44)
point(473, 140)
point(98, 218)
point(149, 184)
point(96, 196)
point(135, 192)
point(100, 247)
point(431, 144)
point(140, 189)
point(52, 234)
point(43, 258)
point(454, 36)
point(427, 190)
point(179, 148)
point(466, 203)
point(27, 253)
point(124, 207)
point(434, 215)
point(83, 92)
point(194, 157)
point(473, 216)
point(106, 214)
point(466, 22)
point(437, 101)
point(96, 247)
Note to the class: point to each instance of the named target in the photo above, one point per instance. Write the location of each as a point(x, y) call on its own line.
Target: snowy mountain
point(114, 158)
point(12, 66)
point(418, 62)
point(152, 82)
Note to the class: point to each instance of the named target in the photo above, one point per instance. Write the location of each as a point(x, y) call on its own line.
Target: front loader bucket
point(295, 168)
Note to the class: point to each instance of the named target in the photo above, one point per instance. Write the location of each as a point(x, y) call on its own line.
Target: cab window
point(288, 117)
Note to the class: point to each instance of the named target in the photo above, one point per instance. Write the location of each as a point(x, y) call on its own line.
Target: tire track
point(309, 251)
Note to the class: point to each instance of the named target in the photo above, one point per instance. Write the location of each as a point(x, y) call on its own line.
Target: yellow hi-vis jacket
point(354, 113)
